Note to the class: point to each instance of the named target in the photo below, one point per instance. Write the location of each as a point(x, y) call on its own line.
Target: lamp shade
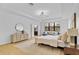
point(73, 32)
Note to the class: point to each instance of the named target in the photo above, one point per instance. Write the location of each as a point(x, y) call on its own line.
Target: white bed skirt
point(54, 42)
point(48, 42)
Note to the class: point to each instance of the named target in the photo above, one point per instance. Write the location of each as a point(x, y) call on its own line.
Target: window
point(52, 26)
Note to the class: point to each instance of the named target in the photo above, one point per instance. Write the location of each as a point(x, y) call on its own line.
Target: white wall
point(7, 25)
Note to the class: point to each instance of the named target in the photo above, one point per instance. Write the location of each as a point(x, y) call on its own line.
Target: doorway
point(34, 30)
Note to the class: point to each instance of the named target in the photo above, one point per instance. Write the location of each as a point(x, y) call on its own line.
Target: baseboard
point(3, 43)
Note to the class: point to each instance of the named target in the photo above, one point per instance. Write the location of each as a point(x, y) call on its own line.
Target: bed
point(52, 40)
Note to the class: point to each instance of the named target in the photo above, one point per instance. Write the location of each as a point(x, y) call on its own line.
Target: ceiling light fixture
point(41, 12)
point(45, 15)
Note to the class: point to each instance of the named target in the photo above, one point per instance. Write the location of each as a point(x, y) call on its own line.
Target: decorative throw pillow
point(45, 33)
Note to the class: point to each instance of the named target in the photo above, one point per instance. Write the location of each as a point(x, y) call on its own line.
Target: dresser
point(19, 36)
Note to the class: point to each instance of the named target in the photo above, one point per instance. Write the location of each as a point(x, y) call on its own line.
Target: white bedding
point(49, 40)
point(61, 43)
point(50, 37)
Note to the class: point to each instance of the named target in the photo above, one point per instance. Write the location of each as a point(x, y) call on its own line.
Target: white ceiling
point(54, 11)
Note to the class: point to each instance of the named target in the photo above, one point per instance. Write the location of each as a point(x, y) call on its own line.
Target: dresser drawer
point(18, 37)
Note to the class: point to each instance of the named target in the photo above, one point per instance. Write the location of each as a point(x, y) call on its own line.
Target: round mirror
point(19, 27)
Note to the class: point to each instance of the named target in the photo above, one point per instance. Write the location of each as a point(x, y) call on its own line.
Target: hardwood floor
point(10, 50)
point(28, 47)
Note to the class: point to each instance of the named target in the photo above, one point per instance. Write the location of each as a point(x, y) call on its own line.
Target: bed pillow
point(45, 33)
point(50, 32)
point(55, 33)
